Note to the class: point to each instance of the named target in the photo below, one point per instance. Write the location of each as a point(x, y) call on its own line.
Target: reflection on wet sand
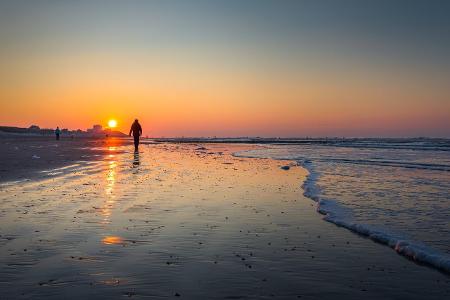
point(113, 240)
point(109, 201)
point(136, 161)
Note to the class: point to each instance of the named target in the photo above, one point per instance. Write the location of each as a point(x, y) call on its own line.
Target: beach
point(96, 220)
point(26, 157)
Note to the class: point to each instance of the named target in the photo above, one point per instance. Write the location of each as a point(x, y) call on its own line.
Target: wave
point(372, 162)
point(339, 215)
point(391, 163)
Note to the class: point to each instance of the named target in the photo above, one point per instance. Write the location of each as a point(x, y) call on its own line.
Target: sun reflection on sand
point(108, 203)
point(113, 240)
point(110, 178)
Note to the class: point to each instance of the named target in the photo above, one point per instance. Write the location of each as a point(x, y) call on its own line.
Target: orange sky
point(213, 83)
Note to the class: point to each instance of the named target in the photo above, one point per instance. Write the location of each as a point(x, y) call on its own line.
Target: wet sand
point(189, 222)
point(25, 157)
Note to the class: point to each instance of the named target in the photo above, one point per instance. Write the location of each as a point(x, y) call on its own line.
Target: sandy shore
point(189, 222)
point(25, 157)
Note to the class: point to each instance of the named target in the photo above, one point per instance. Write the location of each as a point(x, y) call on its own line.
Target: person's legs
point(57, 137)
point(136, 142)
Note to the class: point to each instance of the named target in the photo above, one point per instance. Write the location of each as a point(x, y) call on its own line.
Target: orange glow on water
point(113, 240)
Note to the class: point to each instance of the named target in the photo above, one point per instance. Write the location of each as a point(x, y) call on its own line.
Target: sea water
point(394, 192)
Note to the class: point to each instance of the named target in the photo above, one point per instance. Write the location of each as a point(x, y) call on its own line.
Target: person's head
point(57, 127)
point(136, 121)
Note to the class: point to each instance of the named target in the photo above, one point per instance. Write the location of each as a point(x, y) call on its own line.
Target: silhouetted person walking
point(57, 132)
point(136, 129)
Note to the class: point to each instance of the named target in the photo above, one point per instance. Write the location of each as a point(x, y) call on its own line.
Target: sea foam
point(342, 217)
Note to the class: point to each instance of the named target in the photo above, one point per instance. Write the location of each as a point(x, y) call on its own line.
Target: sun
point(112, 123)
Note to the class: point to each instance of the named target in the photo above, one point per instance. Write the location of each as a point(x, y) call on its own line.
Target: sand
point(187, 221)
point(24, 157)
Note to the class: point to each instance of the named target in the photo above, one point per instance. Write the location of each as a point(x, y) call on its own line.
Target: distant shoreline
point(303, 140)
point(34, 130)
point(433, 144)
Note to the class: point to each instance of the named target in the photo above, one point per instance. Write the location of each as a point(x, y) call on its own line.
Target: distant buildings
point(34, 130)
point(96, 129)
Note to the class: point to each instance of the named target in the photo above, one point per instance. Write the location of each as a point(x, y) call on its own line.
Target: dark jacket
point(136, 129)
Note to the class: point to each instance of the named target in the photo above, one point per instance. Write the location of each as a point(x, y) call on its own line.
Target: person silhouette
point(57, 132)
point(136, 129)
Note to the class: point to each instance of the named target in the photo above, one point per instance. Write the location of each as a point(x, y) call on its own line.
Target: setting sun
point(112, 123)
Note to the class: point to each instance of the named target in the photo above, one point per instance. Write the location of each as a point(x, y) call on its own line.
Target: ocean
point(393, 191)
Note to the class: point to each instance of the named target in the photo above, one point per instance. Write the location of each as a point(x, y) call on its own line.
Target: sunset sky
point(228, 68)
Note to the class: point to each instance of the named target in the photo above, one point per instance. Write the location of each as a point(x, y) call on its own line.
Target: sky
point(229, 68)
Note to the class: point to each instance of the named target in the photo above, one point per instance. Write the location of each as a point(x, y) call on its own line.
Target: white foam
point(342, 217)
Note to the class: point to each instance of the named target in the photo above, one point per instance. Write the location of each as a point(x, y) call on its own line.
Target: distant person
point(136, 129)
point(57, 132)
